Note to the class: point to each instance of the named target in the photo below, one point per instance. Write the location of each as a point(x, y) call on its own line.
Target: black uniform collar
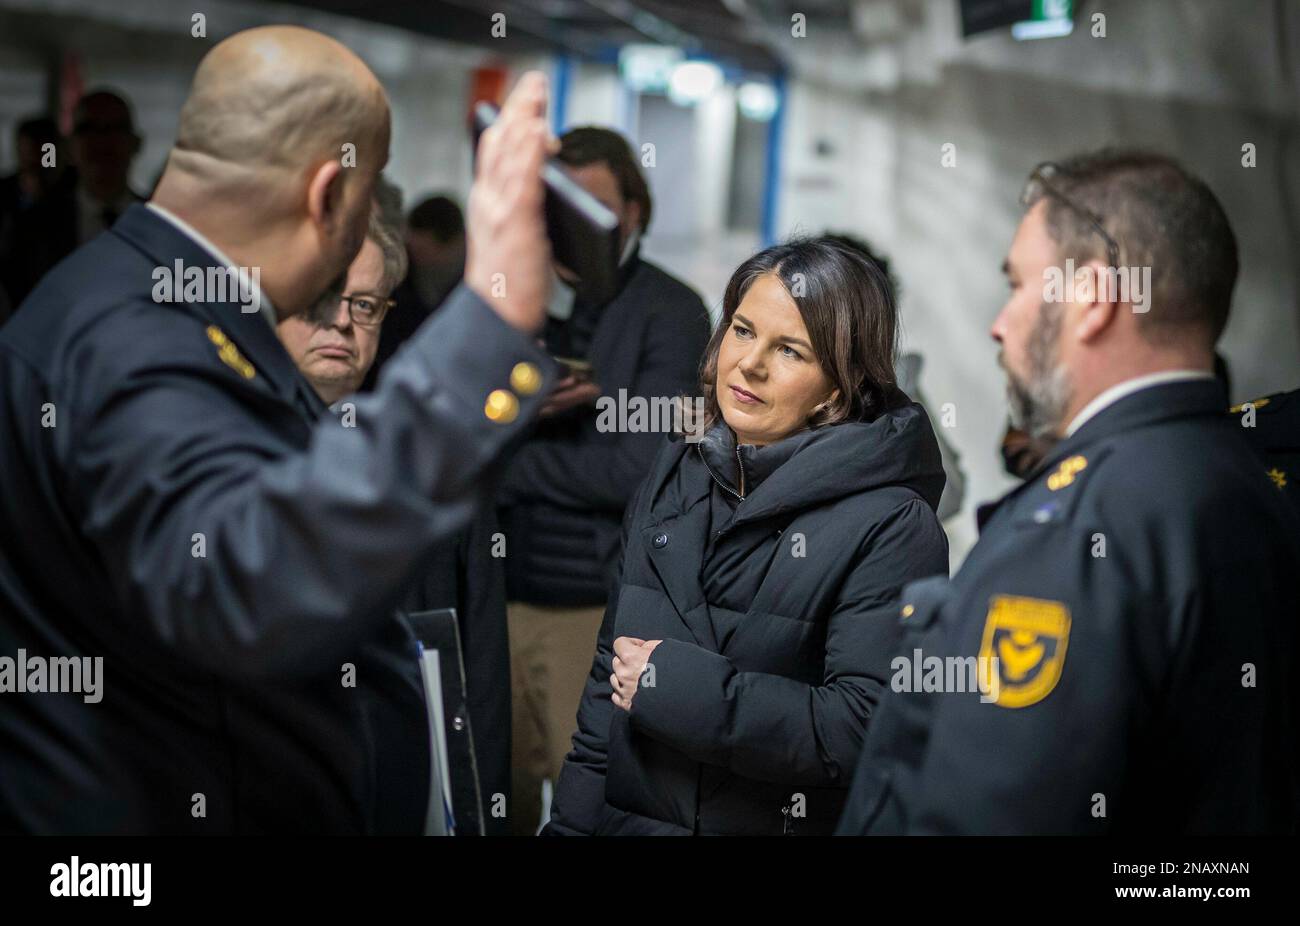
point(1180, 399)
point(1166, 401)
point(164, 243)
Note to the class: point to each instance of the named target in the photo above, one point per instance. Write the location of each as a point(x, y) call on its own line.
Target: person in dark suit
point(40, 167)
point(740, 661)
point(1121, 641)
point(88, 199)
point(174, 506)
point(461, 573)
point(563, 496)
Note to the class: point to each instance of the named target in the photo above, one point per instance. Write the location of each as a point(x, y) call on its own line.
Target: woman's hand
point(630, 658)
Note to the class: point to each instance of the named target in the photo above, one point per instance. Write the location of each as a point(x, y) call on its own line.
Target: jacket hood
point(814, 467)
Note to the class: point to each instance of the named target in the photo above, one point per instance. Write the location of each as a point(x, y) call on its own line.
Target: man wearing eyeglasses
point(334, 344)
point(1117, 654)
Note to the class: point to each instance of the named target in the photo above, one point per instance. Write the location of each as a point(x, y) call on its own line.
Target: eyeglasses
point(1041, 175)
point(367, 311)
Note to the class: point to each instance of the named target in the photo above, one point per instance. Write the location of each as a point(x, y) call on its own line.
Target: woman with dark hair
point(755, 615)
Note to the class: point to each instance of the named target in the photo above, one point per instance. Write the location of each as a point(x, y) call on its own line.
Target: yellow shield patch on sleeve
point(1028, 636)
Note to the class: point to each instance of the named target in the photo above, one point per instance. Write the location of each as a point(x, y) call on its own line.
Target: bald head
point(280, 142)
point(281, 97)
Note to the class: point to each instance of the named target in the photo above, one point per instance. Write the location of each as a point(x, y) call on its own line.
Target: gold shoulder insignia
point(229, 353)
point(1028, 637)
point(1278, 476)
point(1254, 403)
point(1066, 472)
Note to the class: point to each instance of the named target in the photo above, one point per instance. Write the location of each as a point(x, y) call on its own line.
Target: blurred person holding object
point(749, 639)
point(234, 558)
point(563, 496)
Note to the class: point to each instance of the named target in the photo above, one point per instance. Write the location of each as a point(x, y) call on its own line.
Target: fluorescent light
point(646, 68)
point(692, 81)
point(1041, 29)
point(757, 100)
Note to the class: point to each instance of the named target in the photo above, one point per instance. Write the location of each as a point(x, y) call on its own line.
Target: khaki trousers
point(551, 649)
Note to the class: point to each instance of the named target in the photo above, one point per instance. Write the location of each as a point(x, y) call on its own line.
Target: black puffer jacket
point(778, 614)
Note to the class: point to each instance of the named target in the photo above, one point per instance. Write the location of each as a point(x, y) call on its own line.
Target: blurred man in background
point(103, 146)
point(39, 168)
point(563, 497)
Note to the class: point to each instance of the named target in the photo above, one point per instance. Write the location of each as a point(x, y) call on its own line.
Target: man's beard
point(324, 309)
point(1038, 403)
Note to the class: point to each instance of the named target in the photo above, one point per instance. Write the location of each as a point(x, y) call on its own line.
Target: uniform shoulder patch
point(1253, 403)
point(1065, 473)
point(229, 353)
point(1028, 637)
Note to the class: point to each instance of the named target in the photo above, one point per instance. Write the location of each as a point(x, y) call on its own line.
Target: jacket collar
point(744, 467)
point(897, 447)
point(1187, 398)
point(266, 309)
point(1112, 395)
point(1152, 405)
point(164, 244)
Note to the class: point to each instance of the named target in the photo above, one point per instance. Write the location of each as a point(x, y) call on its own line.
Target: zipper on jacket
point(719, 481)
point(740, 468)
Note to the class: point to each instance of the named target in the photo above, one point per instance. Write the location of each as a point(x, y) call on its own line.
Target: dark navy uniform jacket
point(1139, 594)
point(1272, 426)
point(171, 503)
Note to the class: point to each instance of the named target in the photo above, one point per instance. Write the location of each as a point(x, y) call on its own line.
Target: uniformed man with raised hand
point(1129, 613)
point(171, 503)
